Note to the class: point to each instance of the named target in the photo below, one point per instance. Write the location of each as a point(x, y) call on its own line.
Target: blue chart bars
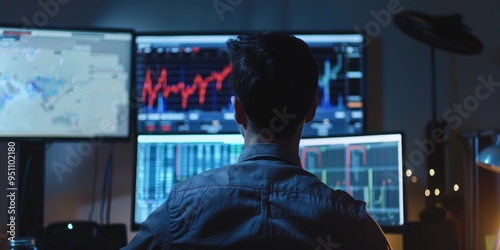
point(163, 160)
point(341, 85)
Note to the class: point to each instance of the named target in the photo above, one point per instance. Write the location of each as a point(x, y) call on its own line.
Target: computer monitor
point(183, 84)
point(369, 167)
point(163, 160)
point(65, 82)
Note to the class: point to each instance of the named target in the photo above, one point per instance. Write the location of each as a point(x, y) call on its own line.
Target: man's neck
point(290, 142)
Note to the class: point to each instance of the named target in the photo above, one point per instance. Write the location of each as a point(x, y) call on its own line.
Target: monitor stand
point(30, 178)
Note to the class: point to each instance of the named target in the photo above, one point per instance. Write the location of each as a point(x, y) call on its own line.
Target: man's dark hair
point(275, 77)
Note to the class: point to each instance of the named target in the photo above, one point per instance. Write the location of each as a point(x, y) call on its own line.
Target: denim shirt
point(264, 201)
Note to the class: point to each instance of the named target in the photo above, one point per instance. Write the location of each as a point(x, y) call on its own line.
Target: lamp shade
point(444, 32)
point(489, 158)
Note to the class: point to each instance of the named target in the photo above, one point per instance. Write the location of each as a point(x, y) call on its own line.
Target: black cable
point(23, 185)
point(104, 191)
point(110, 182)
point(433, 85)
point(94, 182)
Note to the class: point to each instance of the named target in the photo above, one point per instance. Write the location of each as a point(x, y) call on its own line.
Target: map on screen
point(56, 83)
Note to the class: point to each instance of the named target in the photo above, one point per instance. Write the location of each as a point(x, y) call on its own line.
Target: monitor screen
point(163, 160)
point(183, 84)
point(369, 167)
point(65, 83)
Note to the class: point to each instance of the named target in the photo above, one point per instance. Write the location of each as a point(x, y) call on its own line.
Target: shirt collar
point(259, 150)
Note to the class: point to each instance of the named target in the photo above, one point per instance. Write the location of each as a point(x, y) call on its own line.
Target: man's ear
point(239, 112)
point(312, 110)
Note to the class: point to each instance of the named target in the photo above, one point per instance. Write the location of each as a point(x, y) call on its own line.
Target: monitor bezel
point(96, 139)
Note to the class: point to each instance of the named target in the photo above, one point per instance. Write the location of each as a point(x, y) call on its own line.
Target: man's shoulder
point(290, 179)
point(215, 177)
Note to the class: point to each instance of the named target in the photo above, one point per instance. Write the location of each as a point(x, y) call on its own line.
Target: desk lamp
point(489, 157)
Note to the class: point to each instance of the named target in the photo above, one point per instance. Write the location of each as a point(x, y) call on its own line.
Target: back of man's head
point(275, 77)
